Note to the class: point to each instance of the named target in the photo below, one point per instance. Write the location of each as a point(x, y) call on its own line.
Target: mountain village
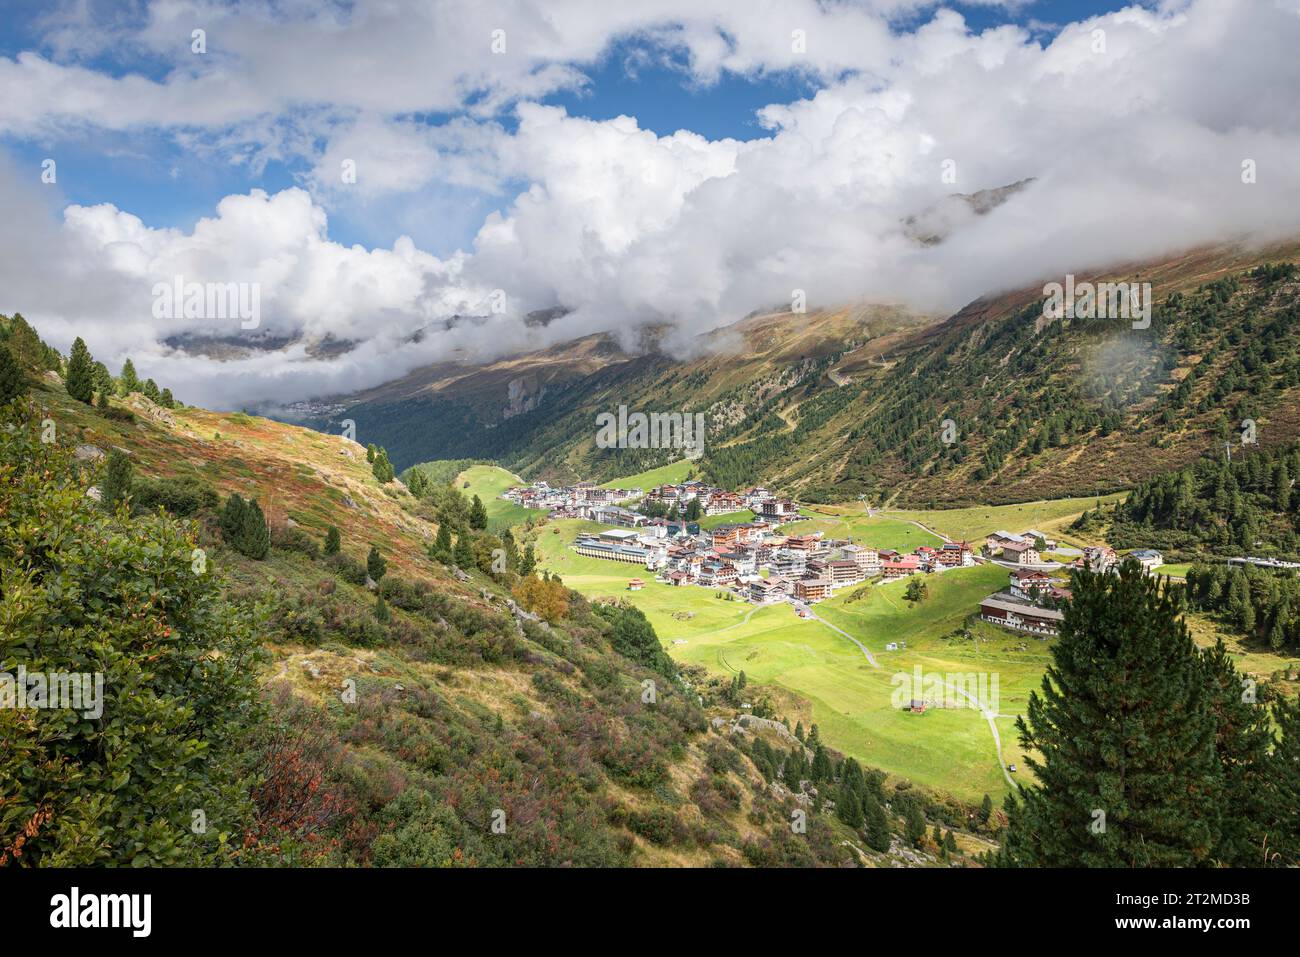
point(755, 561)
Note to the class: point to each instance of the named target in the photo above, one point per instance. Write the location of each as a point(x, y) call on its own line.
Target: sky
point(412, 179)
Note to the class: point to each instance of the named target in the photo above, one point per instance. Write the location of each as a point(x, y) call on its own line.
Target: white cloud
point(1137, 150)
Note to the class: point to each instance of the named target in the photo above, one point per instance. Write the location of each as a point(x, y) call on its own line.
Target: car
point(1011, 768)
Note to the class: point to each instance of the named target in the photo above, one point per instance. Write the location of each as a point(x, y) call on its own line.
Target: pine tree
point(986, 809)
point(382, 468)
point(463, 556)
point(376, 567)
point(417, 483)
point(232, 519)
point(914, 824)
point(478, 517)
point(254, 538)
point(1284, 837)
point(950, 842)
point(877, 828)
point(529, 561)
point(1242, 743)
point(12, 381)
point(332, 541)
point(1128, 775)
point(370, 453)
point(167, 400)
point(848, 807)
point(81, 373)
point(101, 401)
point(937, 837)
point(129, 380)
point(381, 609)
point(115, 486)
point(441, 550)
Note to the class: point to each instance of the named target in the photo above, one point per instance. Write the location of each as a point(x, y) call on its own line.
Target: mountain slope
point(853, 402)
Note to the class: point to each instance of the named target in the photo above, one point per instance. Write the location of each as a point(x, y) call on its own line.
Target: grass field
point(488, 482)
point(664, 475)
point(866, 530)
point(948, 750)
point(973, 524)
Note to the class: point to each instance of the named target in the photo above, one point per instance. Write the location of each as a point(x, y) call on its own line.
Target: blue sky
point(146, 173)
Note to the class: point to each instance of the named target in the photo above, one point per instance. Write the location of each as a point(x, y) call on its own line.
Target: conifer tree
point(1284, 837)
point(464, 553)
point(986, 809)
point(167, 400)
point(1242, 742)
point(130, 382)
point(12, 381)
point(381, 609)
point(478, 517)
point(101, 401)
point(529, 561)
point(442, 550)
point(150, 390)
point(376, 567)
point(382, 468)
point(332, 541)
point(81, 373)
point(370, 453)
point(115, 486)
point(914, 824)
point(254, 538)
point(848, 807)
point(950, 842)
point(1128, 775)
point(876, 827)
point(232, 519)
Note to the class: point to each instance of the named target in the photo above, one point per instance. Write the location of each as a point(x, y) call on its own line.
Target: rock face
point(88, 453)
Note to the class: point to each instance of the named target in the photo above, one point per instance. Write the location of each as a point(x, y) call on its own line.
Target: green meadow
point(488, 482)
point(949, 750)
point(865, 529)
point(669, 474)
point(973, 524)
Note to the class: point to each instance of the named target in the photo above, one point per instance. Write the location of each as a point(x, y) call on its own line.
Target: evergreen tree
point(254, 538)
point(950, 842)
point(130, 382)
point(529, 561)
point(115, 486)
point(81, 373)
point(478, 517)
point(1124, 728)
point(442, 550)
point(937, 836)
point(381, 609)
point(332, 541)
point(914, 824)
point(232, 519)
point(877, 828)
point(986, 809)
point(376, 567)
point(370, 453)
point(848, 808)
point(1284, 838)
point(12, 381)
point(382, 468)
point(101, 401)
point(1242, 743)
point(150, 390)
point(167, 400)
point(463, 557)
point(511, 549)
point(417, 483)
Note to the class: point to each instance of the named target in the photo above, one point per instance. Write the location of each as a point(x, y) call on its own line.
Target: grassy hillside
point(395, 733)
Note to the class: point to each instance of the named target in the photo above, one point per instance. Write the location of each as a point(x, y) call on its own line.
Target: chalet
point(1028, 583)
point(1005, 611)
point(1022, 553)
point(716, 574)
point(999, 539)
point(812, 589)
point(740, 560)
point(1034, 535)
point(956, 555)
point(635, 584)
point(1097, 558)
point(764, 590)
point(904, 565)
point(802, 543)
